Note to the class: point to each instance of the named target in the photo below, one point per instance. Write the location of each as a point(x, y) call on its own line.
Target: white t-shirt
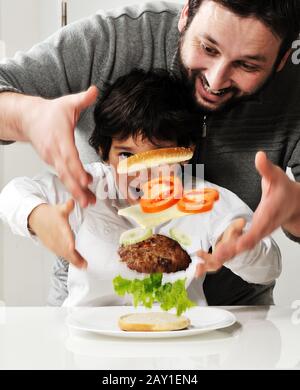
point(98, 229)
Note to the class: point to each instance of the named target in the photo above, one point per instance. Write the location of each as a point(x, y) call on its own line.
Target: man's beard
point(236, 99)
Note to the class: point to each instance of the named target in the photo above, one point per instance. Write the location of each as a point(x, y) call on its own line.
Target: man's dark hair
point(281, 16)
point(155, 104)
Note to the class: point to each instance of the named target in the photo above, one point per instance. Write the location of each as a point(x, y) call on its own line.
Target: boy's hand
point(227, 241)
point(50, 223)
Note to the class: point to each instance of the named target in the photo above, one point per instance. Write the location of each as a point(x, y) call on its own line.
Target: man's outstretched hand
point(50, 129)
point(279, 207)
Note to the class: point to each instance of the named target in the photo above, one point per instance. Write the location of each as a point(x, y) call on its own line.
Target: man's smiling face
point(225, 56)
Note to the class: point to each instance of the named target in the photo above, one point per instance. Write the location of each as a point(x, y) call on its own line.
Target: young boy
point(139, 112)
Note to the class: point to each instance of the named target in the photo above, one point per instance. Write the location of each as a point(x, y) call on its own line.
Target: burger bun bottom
point(152, 322)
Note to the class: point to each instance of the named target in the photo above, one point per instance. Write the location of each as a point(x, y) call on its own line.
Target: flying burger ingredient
point(154, 158)
point(155, 254)
point(134, 236)
point(160, 193)
point(150, 289)
point(198, 194)
point(198, 201)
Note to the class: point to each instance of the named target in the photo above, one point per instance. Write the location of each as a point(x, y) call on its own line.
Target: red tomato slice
point(198, 201)
point(198, 195)
point(155, 206)
point(195, 207)
point(160, 194)
point(156, 188)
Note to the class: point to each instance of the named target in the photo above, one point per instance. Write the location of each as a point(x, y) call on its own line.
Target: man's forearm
point(14, 108)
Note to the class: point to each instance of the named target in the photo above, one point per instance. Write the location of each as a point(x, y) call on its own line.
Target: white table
point(37, 338)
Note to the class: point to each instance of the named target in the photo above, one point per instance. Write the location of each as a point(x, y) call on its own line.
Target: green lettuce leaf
point(150, 289)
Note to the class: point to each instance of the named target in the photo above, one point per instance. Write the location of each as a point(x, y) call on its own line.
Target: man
point(235, 54)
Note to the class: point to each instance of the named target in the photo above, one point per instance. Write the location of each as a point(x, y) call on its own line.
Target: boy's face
point(129, 185)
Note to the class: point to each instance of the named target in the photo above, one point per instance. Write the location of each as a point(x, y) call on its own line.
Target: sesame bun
point(152, 322)
point(154, 158)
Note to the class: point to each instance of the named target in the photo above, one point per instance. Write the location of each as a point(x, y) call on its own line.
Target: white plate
point(104, 321)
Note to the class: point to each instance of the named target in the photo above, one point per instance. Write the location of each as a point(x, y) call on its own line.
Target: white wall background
point(2, 53)
point(24, 267)
point(287, 288)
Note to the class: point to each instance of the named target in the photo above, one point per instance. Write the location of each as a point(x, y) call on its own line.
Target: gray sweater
point(107, 45)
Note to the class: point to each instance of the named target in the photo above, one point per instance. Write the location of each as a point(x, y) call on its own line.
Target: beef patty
point(156, 254)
